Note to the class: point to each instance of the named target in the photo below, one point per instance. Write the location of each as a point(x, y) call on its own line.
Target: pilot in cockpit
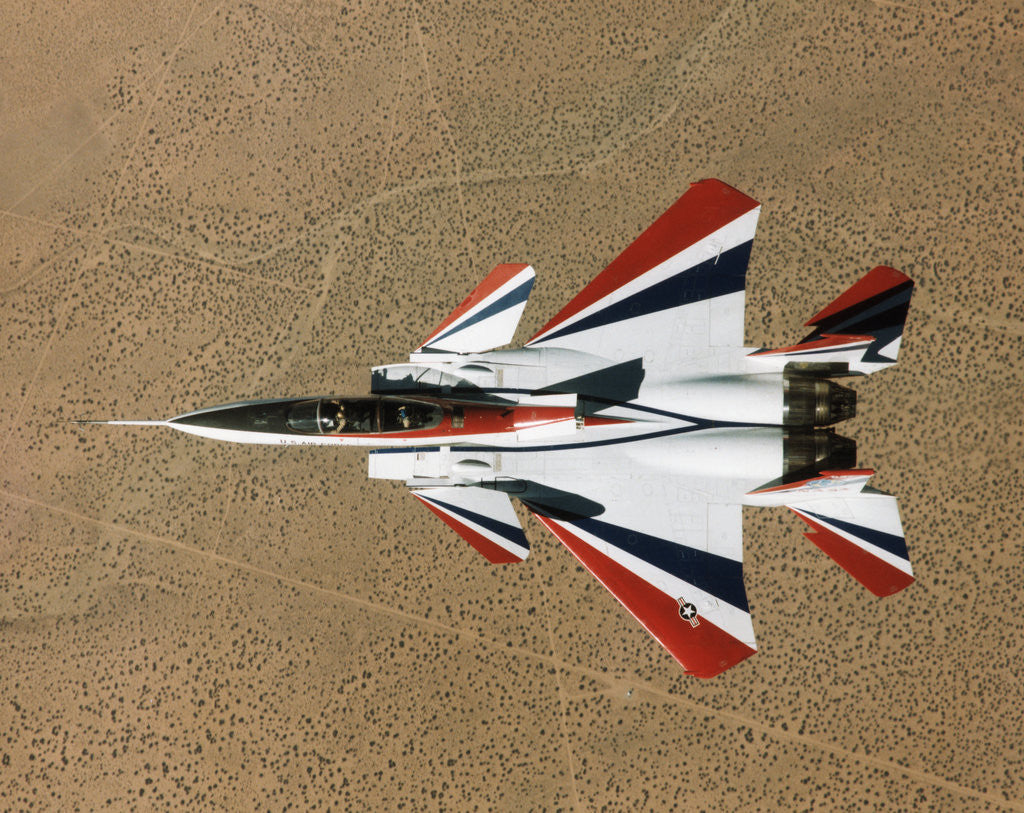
point(405, 416)
point(332, 417)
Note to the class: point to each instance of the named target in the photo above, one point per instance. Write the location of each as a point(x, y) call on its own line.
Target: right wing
point(669, 550)
point(680, 284)
point(690, 599)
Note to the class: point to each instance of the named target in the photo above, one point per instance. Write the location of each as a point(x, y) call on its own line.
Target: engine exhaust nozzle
point(818, 449)
point(815, 401)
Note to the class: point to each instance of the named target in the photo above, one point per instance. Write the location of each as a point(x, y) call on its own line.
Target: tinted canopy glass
point(334, 416)
point(400, 415)
point(353, 416)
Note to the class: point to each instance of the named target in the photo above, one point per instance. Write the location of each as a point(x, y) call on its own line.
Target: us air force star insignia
point(688, 612)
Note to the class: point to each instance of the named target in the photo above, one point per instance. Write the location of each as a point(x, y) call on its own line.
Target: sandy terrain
point(218, 200)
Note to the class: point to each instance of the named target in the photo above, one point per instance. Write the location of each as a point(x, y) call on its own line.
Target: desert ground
point(211, 200)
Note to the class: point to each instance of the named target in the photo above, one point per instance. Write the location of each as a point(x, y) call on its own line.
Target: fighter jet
point(635, 425)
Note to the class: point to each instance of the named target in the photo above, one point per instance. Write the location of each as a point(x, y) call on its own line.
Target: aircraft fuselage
point(378, 421)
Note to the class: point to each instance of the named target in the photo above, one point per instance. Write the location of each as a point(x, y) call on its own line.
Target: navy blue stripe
point(883, 338)
point(704, 423)
point(406, 449)
point(885, 314)
point(615, 441)
point(511, 532)
point(716, 575)
point(872, 312)
point(699, 424)
point(725, 274)
point(510, 300)
point(582, 445)
point(896, 545)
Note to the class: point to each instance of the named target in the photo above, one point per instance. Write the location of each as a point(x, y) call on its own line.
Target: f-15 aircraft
point(634, 425)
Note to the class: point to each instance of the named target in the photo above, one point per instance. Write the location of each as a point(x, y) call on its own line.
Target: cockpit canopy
point(351, 416)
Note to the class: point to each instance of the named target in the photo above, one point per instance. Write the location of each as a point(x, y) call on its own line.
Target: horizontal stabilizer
point(863, 534)
point(483, 518)
point(488, 317)
point(859, 333)
point(825, 483)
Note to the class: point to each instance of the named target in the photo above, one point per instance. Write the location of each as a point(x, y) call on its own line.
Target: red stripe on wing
point(703, 209)
point(878, 576)
point(703, 651)
point(491, 551)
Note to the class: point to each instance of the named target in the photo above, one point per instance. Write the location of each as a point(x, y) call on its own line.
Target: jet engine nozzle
point(815, 401)
point(818, 449)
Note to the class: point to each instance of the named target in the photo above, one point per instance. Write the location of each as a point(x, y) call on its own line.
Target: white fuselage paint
point(675, 423)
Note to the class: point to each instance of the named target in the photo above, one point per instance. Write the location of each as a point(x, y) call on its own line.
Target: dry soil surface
point(214, 200)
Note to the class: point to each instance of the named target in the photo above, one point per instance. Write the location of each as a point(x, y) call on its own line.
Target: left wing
point(680, 284)
point(666, 550)
point(691, 600)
